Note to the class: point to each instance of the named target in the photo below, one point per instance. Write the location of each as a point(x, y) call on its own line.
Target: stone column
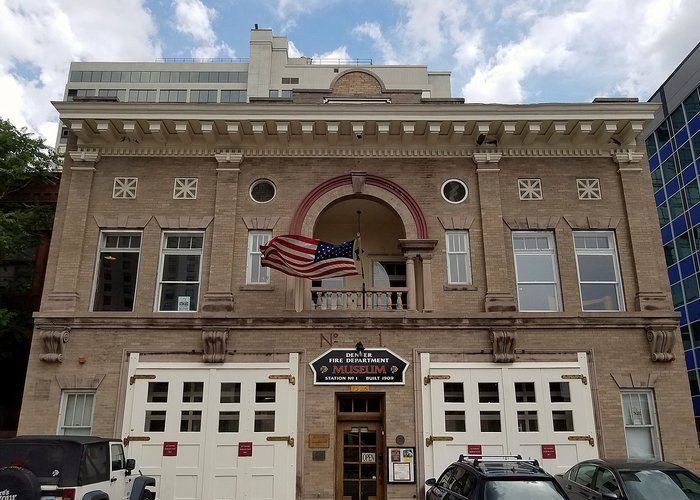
point(499, 293)
point(643, 229)
point(219, 296)
point(64, 294)
point(427, 258)
point(423, 249)
point(411, 283)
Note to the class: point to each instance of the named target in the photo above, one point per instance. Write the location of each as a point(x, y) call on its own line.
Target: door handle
point(112, 479)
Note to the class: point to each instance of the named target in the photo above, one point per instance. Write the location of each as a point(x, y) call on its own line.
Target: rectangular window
point(256, 274)
point(536, 271)
point(142, 95)
point(76, 413)
point(233, 96)
point(598, 271)
point(117, 270)
point(641, 431)
point(459, 271)
point(180, 271)
point(203, 95)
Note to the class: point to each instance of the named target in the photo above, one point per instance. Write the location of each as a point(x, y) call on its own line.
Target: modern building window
point(290, 80)
point(75, 415)
point(256, 274)
point(117, 270)
point(142, 95)
point(536, 271)
point(173, 95)
point(120, 94)
point(641, 429)
point(234, 96)
point(598, 271)
point(180, 271)
point(459, 271)
point(203, 95)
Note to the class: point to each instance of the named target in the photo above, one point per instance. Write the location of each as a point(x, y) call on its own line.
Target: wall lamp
point(360, 348)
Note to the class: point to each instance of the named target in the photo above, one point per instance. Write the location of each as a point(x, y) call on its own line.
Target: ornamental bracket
point(53, 341)
point(661, 343)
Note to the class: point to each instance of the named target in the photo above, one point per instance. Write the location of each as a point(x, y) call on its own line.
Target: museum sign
point(350, 366)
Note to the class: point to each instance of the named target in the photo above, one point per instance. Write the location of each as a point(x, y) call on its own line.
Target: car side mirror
point(430, 482)
point(130, 465)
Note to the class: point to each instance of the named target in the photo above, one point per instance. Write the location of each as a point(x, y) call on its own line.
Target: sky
point(507, 51)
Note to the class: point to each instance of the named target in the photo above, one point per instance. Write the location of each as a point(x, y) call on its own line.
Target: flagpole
point(359, 253)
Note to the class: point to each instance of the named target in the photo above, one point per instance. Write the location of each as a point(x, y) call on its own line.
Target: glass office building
point(673, 146)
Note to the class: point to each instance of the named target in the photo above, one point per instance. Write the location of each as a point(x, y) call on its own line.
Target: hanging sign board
point(369, 367)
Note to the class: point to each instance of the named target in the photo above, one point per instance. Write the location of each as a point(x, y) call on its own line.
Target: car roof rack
point(475, 461)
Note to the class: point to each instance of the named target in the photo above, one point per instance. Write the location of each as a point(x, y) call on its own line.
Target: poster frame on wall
point(401, 464)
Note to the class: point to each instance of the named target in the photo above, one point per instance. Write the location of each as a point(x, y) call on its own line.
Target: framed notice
point(401, 464)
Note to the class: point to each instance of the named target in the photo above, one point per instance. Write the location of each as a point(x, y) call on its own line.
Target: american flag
point(308, 258)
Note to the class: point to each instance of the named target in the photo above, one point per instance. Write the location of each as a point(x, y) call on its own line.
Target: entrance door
point(360, 449)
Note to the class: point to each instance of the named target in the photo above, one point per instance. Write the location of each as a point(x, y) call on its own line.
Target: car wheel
point(20, 483)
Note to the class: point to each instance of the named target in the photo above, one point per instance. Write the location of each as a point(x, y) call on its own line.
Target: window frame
point(466, 255)
point(178, 251)
point(254, 253)
point(102, 239)
point(610, 251)
point(552, 253)
point(653, 425)
point(65, 394)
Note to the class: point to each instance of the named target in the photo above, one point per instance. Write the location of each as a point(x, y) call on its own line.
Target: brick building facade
point(507, 261)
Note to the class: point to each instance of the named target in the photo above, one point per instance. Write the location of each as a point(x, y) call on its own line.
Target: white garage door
point(214, 432)
point(537, 410)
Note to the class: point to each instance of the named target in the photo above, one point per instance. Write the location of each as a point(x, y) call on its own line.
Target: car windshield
point(655, 484)
point(521, 490)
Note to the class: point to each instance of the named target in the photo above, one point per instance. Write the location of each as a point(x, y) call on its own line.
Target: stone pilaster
point(426, 259)
point(64, 294)
point(650, 295)
point(412, 250)
point(499, 294)
point(219, 296)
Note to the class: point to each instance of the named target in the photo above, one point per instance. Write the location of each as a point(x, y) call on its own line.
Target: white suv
point(69, 468)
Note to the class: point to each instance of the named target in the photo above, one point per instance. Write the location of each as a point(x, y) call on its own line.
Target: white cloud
point(627, 48)
point(292, 50)
point(333, 57)
point(194, 19)
point(40, 38)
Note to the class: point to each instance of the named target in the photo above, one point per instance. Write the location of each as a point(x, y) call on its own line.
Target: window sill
point(461, 288)
point(259, 288)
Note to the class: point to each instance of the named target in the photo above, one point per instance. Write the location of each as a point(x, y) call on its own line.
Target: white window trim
point(601, 251)
point(100, 248)
point(251, 252)
point(466, 254)
point(654, 425)
point(178, 251)
point(60, 428)
point(551, 252)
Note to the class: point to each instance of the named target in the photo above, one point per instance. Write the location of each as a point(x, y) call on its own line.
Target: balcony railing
point(345, 299)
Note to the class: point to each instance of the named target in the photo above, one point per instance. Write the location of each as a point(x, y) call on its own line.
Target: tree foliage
point(26, 163)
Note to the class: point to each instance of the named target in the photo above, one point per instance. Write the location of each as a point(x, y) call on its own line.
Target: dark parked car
point(69, 468)
point(629, 480)
point(494, 478)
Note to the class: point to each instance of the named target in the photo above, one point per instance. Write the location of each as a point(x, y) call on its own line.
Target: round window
point(454, 191)
point(262, 191)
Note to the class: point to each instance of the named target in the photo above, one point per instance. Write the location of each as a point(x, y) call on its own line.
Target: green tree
point(27, 165)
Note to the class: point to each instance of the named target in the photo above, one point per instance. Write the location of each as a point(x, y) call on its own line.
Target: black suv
point(495, 478)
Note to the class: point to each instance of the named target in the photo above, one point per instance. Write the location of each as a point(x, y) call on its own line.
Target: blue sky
point(509, 51)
